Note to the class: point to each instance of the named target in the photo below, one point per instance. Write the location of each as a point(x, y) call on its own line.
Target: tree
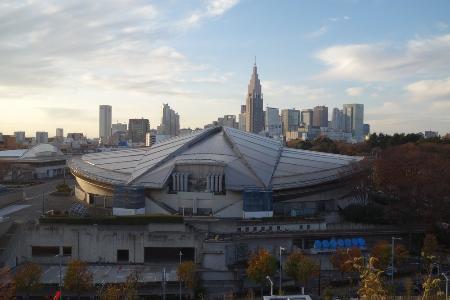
point(343, 259)
point(126, 290)
point(78, 278)
point(260, 265)
point(301, 267)
point(430, 245)
point(382, 252)
point(187, 273)
point(7, 284)
point(111, 292)
point(371, 285)
point(28, 278)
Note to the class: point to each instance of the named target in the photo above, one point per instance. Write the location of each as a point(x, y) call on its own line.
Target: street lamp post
point(281, 250)
point(179, 279)
point(271, 285)
point(446, 285)
point(392, 257)
point(164, 283)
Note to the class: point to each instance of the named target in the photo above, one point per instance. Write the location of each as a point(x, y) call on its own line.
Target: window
point(122, 255)
point(67, 251)
point(270, 228)
point(263, 228)
point(44, 251)
point(308, 227)
point(239, 229)
point(278, 228)
point(246, 229)
point(255, 228)
point(301, 227)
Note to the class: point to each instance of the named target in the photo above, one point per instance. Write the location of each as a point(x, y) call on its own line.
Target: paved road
point(31, 207)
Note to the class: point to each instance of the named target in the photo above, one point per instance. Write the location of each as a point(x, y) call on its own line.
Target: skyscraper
point(290, 118)
point(20, 137)
point(337, 119)
point(320, 116)
point(170, 123)
point(307, 117)
point(242, 118)
point(272, 122)
point(354, 120)
point(137, 129)
point(41, 137)
point(105, 119)
point(118, 127)
point(254, 105)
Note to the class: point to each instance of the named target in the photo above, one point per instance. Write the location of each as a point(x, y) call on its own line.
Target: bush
point(63, 188)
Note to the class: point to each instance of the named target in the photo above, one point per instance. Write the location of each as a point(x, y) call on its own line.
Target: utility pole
point(279, 290)
point(179, 279)
point(164, 283)
point(271, 285)
point(446, 286)
point(43, 204)
point(392, 257)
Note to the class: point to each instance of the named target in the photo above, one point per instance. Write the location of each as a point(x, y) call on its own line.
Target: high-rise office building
point(122, 127)
point(354, 120)
point(20, 137)
point(105, 119)
point(290, 120)
point(254, 105)
point(59, 133)
point(41, 137)
point(170, 123)
point(137, 129)
point(307, 117)
point(337, 119)
point(228, 121)
point(366, 129)
point(272, 122)
point(242, 118)
point(320, 116)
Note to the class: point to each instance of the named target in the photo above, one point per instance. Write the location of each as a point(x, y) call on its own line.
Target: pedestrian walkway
point(11, 209)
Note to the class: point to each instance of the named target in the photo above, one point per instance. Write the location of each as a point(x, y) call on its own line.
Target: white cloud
point(429, 89)
point(319, 32)
point(384, 62)
point(441, 25)
point(354, 91)
point(213, 8)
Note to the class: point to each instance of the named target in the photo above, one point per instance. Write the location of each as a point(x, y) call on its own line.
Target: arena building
point(220, 172)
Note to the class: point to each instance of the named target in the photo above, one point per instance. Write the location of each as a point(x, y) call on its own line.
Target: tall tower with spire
point(254, 104)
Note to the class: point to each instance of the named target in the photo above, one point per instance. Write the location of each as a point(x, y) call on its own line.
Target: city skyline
point(196, 55)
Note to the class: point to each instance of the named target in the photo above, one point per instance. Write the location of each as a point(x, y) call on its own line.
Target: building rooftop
point(250, 160)
point(40, 151)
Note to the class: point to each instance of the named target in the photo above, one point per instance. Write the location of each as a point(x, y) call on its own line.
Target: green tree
point(260, 265)
point(28, 278)
point(78, 278)
point(301, 268)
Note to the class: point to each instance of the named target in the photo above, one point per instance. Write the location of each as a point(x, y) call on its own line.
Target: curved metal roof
point(250, 160)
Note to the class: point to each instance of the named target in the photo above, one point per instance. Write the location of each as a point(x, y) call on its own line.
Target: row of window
point(50, 251)
point(269, 228)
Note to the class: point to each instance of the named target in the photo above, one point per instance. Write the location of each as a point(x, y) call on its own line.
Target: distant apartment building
point(254, 114)
point(272, 122)
point(105, 120)
point(170, 123)
point(59, 133)
point(307, 117)
point(290, 120)
point(41, 137)
point(184, 131)
point(366, 129)
point(242, 118)
point(430, 134)
point(119, 127)
point(20, 137)
point(320, 116)
point(354, 120)
point(228, 121)
point(137, 129)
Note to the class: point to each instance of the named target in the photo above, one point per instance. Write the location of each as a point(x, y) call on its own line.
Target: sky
point(60, 60)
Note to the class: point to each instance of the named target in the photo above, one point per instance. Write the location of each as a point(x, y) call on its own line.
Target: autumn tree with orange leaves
point(260, 265)
point(301, 267)
point(28, 278)
point(78, 278)
point(343, 259)
point(382, 252)
point(7, 284)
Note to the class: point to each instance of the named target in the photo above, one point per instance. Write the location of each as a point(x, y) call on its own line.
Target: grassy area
point(111, 220)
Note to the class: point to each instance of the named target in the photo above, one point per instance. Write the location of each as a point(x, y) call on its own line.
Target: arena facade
point(220, 172)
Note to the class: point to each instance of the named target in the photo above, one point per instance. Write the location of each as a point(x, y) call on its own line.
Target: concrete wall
point(100, 243)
